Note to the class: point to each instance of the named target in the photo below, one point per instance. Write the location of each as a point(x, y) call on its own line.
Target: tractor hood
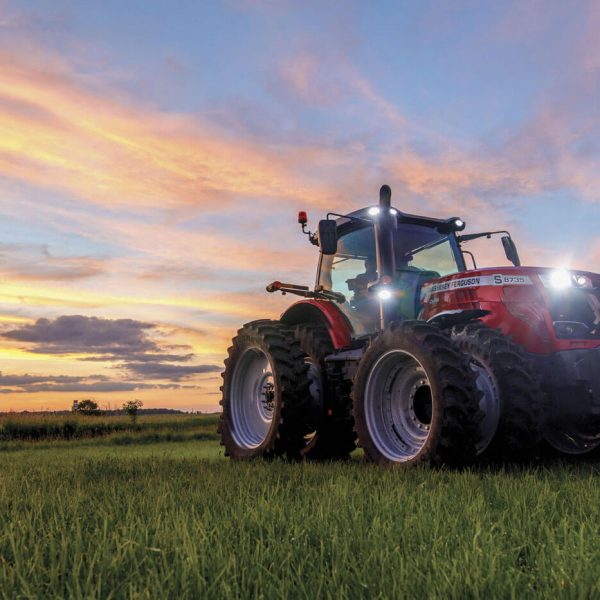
point(545, 310)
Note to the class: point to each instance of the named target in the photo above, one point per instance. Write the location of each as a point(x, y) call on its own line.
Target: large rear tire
point(511, 395)
point(332, 436)
point(415, 400)
point(265, 393)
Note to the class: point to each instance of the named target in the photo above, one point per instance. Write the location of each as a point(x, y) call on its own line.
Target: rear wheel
point(265, 391)
point(511, 396)
point(332, 434)
point(415, 400)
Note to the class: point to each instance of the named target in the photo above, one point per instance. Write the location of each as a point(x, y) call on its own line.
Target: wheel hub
point(268, 398)
point(420, 405)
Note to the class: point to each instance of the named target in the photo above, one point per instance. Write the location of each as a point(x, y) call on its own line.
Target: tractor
point(403, 350)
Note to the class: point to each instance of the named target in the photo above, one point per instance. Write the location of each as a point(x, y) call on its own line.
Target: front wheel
point(574, 437)
point(265, 391)
point(511, 395)
point(415, 400)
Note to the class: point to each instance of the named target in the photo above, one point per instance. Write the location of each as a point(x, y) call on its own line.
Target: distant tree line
point(90, 407)
point(107, 412)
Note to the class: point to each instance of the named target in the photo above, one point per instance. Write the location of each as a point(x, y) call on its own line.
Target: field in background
point(172, 518)
point(19, 427)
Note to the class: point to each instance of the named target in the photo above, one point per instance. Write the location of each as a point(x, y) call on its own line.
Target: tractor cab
point(421, 252)
point(374, 264)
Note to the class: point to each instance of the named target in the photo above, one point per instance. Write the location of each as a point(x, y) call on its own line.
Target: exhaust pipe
point(385, 228)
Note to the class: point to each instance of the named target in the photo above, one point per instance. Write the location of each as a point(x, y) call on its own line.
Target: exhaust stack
point(385, 227)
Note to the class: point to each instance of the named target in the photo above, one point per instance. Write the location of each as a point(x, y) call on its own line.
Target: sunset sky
point(154, 155)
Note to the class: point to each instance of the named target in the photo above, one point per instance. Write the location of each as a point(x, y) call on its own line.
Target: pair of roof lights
point(374, 211)
point(454, 223)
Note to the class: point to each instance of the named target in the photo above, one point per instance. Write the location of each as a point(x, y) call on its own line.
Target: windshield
point(422, 253)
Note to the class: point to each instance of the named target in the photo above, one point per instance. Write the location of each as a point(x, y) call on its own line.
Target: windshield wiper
point(476, 236)
point(432, 244)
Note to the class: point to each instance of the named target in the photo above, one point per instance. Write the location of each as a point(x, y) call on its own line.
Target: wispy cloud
point(303, 77)
point(79, 387)
point(35, 384)
point(161, 370)
point(127, 155)
point(37, 263)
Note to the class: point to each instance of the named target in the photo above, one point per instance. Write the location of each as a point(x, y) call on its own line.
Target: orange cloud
point(37, 263)
point(58, 135)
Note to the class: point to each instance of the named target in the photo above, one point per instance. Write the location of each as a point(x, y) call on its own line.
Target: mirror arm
point(312, 237)
point(471, 255)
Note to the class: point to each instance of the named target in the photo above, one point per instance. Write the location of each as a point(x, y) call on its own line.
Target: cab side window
point(349, 272)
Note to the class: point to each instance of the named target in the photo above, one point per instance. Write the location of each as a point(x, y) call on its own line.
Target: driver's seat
point(409, 282)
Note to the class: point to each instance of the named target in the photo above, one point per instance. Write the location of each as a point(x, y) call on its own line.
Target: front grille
point(575, 313)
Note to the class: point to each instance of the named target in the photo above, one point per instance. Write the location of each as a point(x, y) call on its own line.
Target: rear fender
point(321, 312)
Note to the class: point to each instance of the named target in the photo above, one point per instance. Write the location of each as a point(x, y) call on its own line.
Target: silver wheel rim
point(570, 439)
point(252, 398)
point(489, 404)
point(398, 405)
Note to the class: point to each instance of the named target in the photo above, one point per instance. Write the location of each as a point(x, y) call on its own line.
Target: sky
point(154, 156)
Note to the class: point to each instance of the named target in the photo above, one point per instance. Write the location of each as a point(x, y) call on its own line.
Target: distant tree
point(87, 407)
point(131, 408)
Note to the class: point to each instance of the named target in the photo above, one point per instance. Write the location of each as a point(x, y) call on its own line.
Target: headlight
point(582, 281)
point(384, 294)
point(562, 279)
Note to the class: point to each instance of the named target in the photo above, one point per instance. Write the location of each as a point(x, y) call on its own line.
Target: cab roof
point(362, 214)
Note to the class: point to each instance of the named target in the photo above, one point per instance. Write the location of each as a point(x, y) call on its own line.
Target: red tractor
point(420, 360)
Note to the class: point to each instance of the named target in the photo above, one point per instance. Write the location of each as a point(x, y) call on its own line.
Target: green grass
point(173, 519)
point(32, 427)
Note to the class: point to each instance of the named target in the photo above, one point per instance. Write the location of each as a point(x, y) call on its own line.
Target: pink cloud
point(56, 134)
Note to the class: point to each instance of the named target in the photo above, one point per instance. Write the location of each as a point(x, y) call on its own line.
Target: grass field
point(171, 518)
point(32, 427)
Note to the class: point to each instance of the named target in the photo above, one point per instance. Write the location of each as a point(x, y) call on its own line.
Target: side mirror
point(511, 250)
point(328, 236)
